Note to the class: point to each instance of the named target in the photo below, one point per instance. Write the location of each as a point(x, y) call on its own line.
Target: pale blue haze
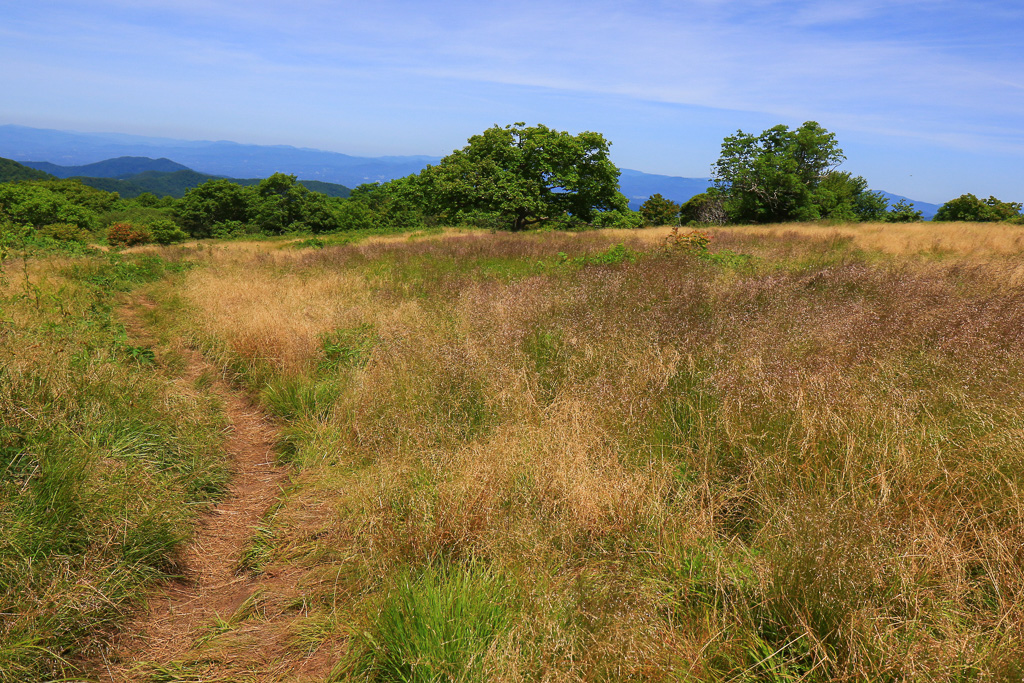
point(926, 97)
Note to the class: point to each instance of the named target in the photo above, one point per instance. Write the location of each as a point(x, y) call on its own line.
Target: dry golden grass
point(901, 239)
point(804, 468)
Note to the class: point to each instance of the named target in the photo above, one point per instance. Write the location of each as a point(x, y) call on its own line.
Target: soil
point(211, 588)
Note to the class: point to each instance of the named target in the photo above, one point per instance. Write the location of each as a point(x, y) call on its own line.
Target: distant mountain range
point(221, 158)
point(134, 159)
point(132, 176)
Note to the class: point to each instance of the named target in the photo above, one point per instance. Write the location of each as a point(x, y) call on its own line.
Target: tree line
point(514, 177)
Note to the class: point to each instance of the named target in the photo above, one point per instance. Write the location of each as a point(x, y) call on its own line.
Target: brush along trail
point(211, 587)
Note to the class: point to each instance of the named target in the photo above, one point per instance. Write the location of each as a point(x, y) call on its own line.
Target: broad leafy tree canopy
point(967, 207)
point(772, 177)
point(527, 175)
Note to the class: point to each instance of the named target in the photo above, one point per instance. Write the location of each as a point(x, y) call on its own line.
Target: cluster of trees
point(277, 205)
point(514, 177)
point(778, 176)
point(967, 207)
point(69, 210)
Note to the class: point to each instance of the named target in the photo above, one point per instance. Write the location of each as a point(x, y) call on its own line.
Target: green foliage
point(165, 231)
point(618, 218)
point(82, 195)
point(437, 625)
point(38, 204)
point(397, 205)
point(131, 211)
point(967, 207)
point(698, 242)
point(346, 348)
point(357, 213)
point(174, 184)
point(902, 212)
point(842, 197)
point(526, 175)
point(659, 211)
point(232, 229)
point(64, 232)
point(212, 203)
point(295, 397)
point(276, 205)
point(613, 255)
point(11, 171)
point(774, 177)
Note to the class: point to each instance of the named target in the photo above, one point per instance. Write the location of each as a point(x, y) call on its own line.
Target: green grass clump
point(439, 623)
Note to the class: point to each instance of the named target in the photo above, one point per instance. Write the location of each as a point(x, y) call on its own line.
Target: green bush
point(658, 210)
point(618, 218)
point(64, 232)
point(902, 212)
point(166, 231)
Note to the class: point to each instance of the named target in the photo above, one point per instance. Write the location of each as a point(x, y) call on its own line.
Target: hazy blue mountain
point(638, 186)
point(121, 167)
point(220, 158)
point(927, 210)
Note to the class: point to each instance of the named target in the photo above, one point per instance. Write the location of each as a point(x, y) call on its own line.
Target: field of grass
point(795, 456)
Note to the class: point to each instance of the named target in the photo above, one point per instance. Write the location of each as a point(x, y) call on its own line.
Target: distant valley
point(132, 164)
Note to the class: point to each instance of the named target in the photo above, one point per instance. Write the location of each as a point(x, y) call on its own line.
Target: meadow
point(792, 453)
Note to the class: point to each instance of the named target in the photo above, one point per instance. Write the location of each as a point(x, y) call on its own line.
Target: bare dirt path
point(210, 589)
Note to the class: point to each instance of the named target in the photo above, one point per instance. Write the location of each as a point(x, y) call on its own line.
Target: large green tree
point(213, 203)
point(526, 175)
point(774, 176)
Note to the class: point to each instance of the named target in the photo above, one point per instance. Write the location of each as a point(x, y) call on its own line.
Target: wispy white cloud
point(926, 70)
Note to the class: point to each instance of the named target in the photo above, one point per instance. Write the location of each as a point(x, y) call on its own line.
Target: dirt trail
point(180, 611)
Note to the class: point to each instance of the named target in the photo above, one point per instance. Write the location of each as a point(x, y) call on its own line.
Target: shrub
point(64, 232)
point(166, 231)
point(229, 229)
point(658, 210)
point(618, 218)
point(902, 212)
point(126, 235)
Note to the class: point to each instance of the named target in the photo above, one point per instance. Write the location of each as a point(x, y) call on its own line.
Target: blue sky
point(926, 97)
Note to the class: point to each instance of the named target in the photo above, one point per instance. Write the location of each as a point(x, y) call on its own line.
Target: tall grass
point(439, 623)
point(802, 465)
point(101, 462)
